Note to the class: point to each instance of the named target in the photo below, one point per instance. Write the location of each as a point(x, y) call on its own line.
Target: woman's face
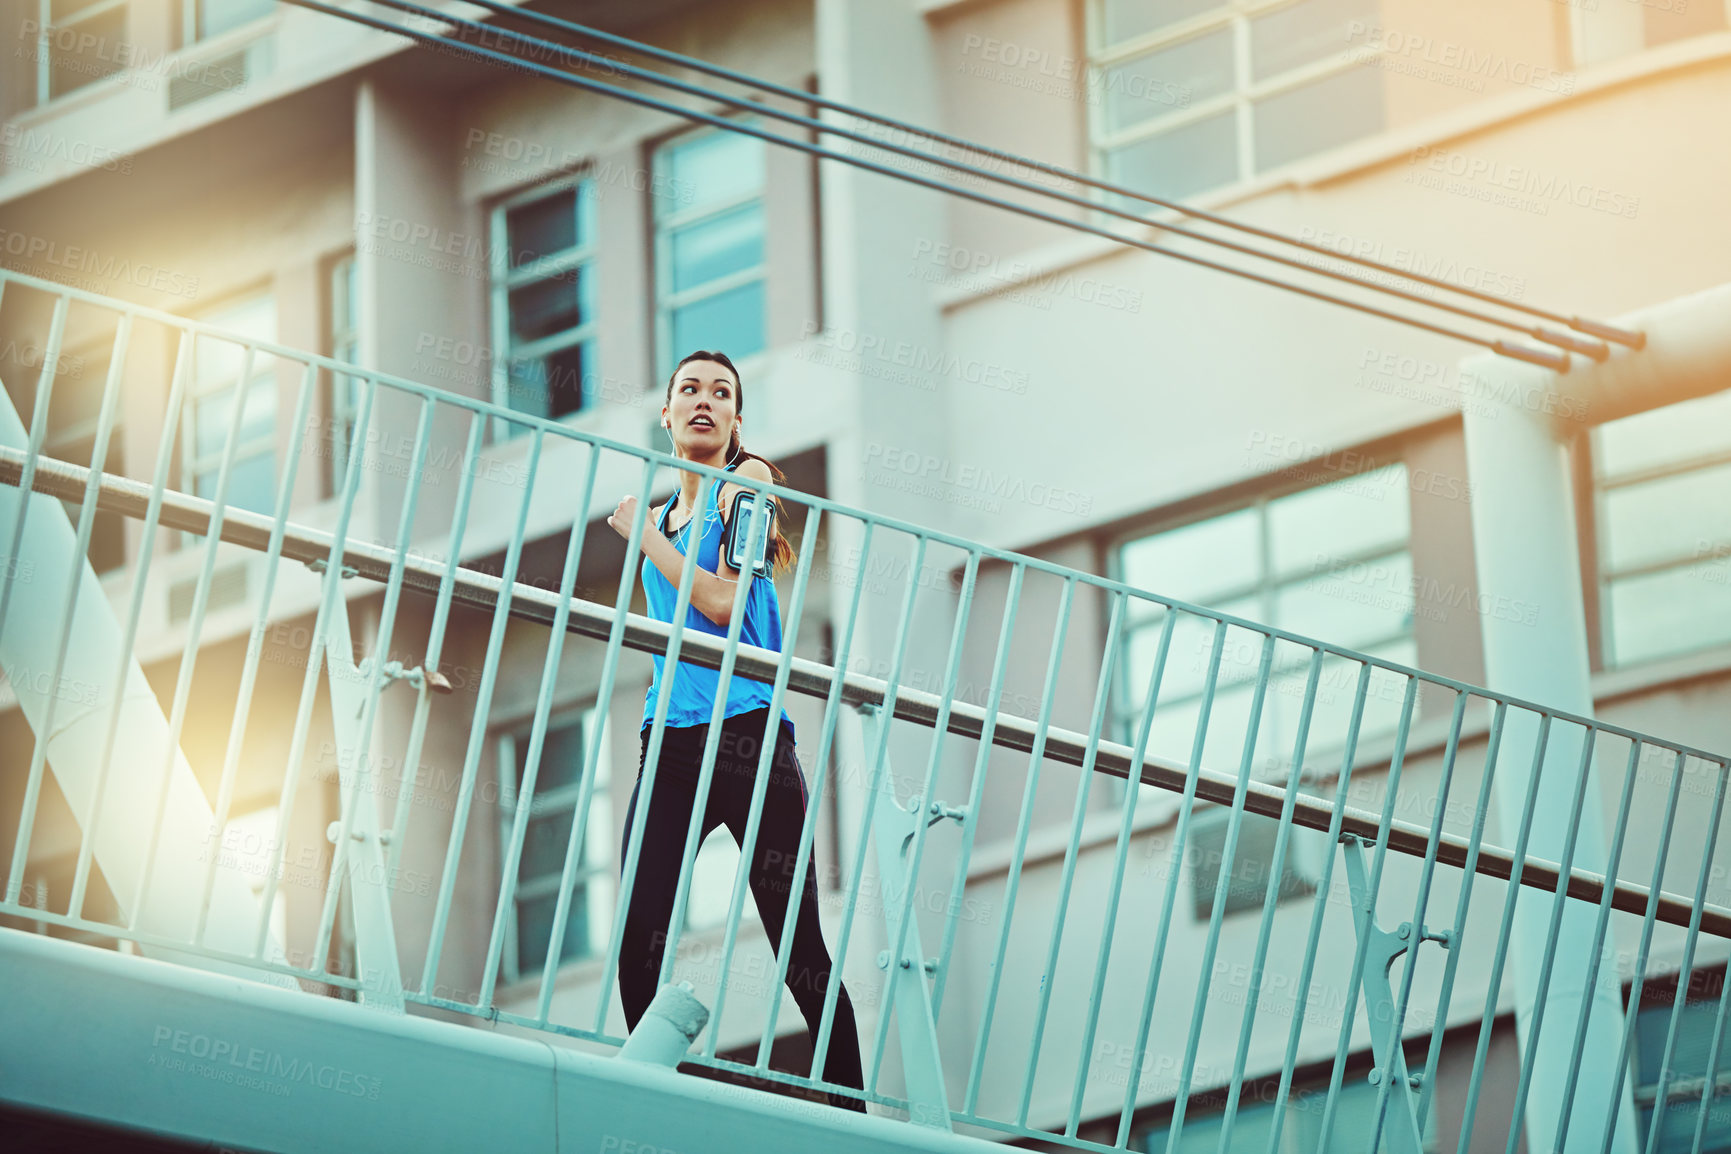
point(703, 409)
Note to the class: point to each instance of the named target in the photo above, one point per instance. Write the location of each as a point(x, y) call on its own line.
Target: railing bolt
point(384, 837)
point(1405, 931)
point(883, 959)
point(1376, 1077)
point(1415, 1080)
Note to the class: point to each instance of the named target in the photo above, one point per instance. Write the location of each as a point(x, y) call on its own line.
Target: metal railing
point(1082, 970)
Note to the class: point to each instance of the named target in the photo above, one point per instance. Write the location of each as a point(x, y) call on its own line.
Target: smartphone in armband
point(746, 507)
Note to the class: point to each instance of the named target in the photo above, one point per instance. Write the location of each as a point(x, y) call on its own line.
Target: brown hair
point(780, 553)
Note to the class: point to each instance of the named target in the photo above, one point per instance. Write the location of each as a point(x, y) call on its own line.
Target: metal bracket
point(321, 564)
point(1401, 1124)
point(893, 829)
point(420, 677)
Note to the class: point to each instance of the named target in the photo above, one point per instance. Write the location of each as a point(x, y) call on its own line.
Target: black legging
point(772, 867)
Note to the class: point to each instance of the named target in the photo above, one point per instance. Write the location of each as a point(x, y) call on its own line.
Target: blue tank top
point(694, 687)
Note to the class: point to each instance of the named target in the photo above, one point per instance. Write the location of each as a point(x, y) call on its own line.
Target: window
point(78, 42)
point(1688, 1063)
point(709, 246)
point(342, 392)
point(1300, 1132)
point(558, 782)
point(1662, 500)
point(74, 411)
point(214, 391)
point(202, 19)
point(1252, 861)
point(1188, 95)
point(544, 300)
point(1330, 562)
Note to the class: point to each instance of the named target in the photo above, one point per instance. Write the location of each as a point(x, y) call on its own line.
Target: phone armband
point(748, 506)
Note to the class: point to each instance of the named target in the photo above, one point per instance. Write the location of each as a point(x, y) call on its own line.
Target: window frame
point(47, 26)
point(503, 279)
point(505, 740)
point(342, 343)
point(190, 12)
point(195, 465)
point(662, 227)
point(1241, 99)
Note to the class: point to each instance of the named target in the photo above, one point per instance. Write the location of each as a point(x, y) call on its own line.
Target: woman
point(702, 415)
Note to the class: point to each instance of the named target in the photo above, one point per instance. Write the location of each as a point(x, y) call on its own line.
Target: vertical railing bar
point(1600, 926)
point(592, 746)
point(38, 433)
point(808, 832)
point(435, 645)
point(765, 766)
point(1120, 862)
point(1349, 757)
point(652, 752)
point(1639, 983)
point(373, 670)
point(924, 800)
point(525, 790)
point(977, 787)
point(1463, 904)
point(483, 707)
point(880, 767)
point(1271, 898)
point(1012, 879)
point(1180, 838)
point(147, 546)
point(1421, 904)
point(1662, 1092)
point(255, 639)
point(1494, 984)
point(330, 593)
point(1079, 814)
point(39, 420)
point(80, 551)
point(1373, 888)
point(1523, 1084)
point(711, 746)
point(1222, 886)
point(1710, 1083)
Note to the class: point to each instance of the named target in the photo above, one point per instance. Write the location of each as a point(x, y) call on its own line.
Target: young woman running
point(701, 414)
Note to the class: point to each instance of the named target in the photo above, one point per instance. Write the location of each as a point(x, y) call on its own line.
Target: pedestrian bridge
point(1472, 913)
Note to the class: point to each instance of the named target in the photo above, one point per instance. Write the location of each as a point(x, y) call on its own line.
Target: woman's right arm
point(711, 596)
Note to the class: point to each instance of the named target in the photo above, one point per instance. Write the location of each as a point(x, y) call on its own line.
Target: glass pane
point(213, 413)
point(1251, 1130)
point(220, 15)
point(1304, 121)
point(1675, 611)
point(1179, 163)
point(1127, 18)
point(549, 225)
point(731, 321)
point(1352, 606)
point(707, 168)
point(544, 843)
point(1660, 436)
point(1311, 529)
point(1685, 515)
point(1196, 562)
point(546, 307)
point(218, 361)
point(1193, 648)
point(1303, 33)
point(1163, 82)
point(1354, 1114)
point(251, 483)
point(723, 244)
point(535, 927)
point(553, 385)
point(85, 52)
point(561, 757)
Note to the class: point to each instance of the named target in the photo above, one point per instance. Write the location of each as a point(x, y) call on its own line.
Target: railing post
point(893, 831)
point(369, 891)
point(1401, 1125)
